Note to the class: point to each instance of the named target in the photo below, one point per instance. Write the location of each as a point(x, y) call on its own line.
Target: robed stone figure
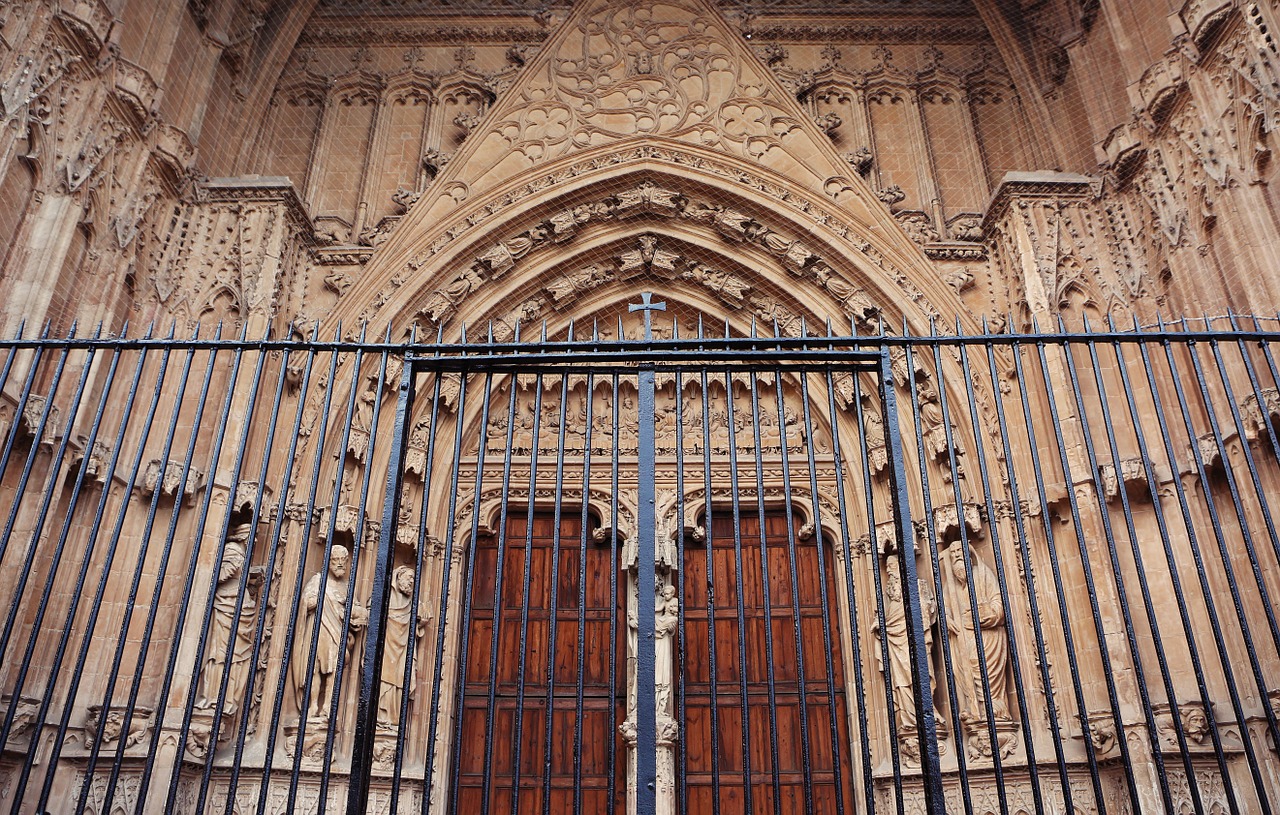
point(225, 598)
point(328, 613)
point(402, 623)
point(991, 621)
point(897, 639)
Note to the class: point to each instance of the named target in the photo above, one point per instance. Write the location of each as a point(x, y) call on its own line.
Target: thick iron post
point(376, 634)
point(646, 581)
point(921, 686)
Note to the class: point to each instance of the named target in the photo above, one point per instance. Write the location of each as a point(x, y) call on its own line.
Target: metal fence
point(696, 574)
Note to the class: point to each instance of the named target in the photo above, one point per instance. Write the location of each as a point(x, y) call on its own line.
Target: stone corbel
point(1132, 476)
point(1158, 89)
point(113, 728)
point(347, 519)
point(1123, 149)
point(1209, 451)
point(32, 414)
point(173, 150)
point(99, 460)
point(24, 720)
point(88, 22)
point(136, 90)
point(167, 477)
point(1101, 730)
point(978, 737)
point(947, 519)
point(1260, 416)
point(1195, 725)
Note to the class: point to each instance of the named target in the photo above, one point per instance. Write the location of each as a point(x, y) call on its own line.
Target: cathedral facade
point(667, 406)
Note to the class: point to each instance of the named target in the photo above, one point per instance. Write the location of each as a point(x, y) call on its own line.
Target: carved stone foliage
point(35, 74)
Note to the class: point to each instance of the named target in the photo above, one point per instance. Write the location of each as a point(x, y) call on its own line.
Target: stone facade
point(323, 168)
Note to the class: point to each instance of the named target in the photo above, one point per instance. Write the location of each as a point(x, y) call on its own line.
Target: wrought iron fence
point(981, 574)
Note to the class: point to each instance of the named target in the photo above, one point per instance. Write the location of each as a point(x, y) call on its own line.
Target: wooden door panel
point(775, 733)
point(522, 626)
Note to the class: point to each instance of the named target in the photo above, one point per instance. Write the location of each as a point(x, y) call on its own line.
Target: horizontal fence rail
point(1000, 573)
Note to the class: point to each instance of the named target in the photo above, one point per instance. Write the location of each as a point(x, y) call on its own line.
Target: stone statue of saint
point(402, 623)
point(326, 612)
point(995, 644)
point(225, 597)
point(896, 637)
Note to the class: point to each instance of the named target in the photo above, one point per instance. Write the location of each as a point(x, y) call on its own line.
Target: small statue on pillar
point(667, 611)
point(667, 620)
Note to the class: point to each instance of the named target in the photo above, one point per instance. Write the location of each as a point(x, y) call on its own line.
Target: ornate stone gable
point(668, 68)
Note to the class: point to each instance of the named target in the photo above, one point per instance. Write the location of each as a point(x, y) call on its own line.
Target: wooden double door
point(548, 631)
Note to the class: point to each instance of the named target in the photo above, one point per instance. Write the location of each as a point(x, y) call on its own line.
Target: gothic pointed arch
point(661, 91)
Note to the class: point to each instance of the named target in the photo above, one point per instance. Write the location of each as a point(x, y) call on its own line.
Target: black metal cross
point(647, 305)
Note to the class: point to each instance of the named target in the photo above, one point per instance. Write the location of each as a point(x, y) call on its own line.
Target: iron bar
point(1069, 639)
point(1082, 423)
point(967, 558)
point(1015, 656)
point(376, 634)
point(935, 567)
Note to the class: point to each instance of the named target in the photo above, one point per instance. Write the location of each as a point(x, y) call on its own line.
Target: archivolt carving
point(647, 198)
point(565, 224)
point(748, 494)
